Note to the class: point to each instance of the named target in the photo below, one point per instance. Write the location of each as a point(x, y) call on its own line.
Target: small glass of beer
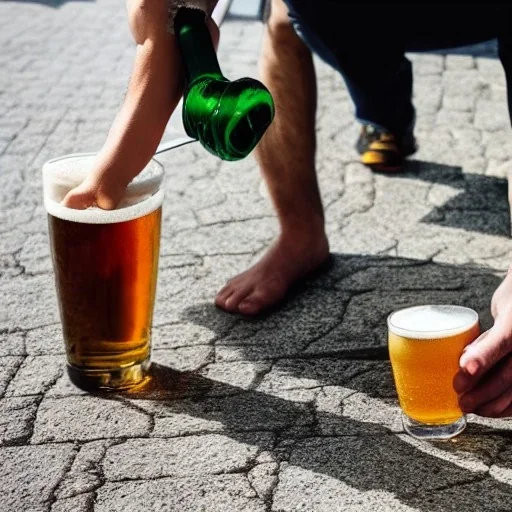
point(425, 344)
point(105, 265)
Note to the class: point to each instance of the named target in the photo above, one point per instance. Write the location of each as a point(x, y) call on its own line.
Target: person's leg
point(505, 54)
point(505, 49)
point(374, 68)
point(286, 155)
point(373, 64)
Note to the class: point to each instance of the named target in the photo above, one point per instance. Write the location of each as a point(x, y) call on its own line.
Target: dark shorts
point(367, 43)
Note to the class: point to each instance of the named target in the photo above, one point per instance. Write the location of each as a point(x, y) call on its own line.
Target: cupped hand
point(484, 381)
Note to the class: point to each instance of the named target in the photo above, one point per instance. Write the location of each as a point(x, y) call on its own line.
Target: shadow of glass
point(359, 455)
point(481, 205)
point(326, 398)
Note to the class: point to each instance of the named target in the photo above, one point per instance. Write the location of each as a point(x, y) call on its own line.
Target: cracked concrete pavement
point(294, 411)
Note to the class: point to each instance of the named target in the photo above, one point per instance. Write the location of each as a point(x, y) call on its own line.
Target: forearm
point(154, 90)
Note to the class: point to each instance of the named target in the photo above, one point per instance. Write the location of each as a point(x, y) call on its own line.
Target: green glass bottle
point(227, 117)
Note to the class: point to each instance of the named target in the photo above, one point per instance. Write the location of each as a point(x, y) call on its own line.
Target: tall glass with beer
point(105, 265)
point(425, 344)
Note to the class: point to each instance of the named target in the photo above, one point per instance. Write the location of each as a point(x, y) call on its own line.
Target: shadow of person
point(318, 448)
point(478, 202)
point(343, 311)
point(324, 402)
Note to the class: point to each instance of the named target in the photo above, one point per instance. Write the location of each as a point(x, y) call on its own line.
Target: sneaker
point(382, 151)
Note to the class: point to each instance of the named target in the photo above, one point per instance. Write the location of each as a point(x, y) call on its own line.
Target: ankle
point(306, 237)
point(305, 226)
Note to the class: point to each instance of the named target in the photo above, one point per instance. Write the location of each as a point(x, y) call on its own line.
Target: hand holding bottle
point(227, 117)
point(154, 90)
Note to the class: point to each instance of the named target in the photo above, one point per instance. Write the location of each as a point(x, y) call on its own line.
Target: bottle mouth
point(248, 131)
point(228, 118)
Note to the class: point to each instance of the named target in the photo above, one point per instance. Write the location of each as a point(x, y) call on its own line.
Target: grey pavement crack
point(253, 488)
point(225, 335)
point(209, 359)
point(236, 221)
point(471, 480)
point(100, 471)
point(312, 406)
point(23, 333)
point(41, 326)
point(67, 469)
point(167, 324)
point(42, 145)
point(436, 254)
point(236, 471)
point(89, 504)
point(31, 219)
point(242, 253)
point(131, 405)
point(232, 431)
point(363, 354)
point(25, 439)
point(394, 246)
point(260, 375)
point(273, 488)
point(53, 381)
point(4, 150)
point(499, 255)
point(182, 265)
point(212, 205)
point(13, 376)
point(323, 335)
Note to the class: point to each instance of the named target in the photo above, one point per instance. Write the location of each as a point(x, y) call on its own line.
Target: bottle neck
point(195, 43)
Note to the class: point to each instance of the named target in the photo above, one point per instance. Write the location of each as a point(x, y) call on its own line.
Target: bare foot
point(266, 283)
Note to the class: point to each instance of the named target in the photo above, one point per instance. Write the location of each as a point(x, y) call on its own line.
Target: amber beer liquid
point(425, 345)
point(105, 265)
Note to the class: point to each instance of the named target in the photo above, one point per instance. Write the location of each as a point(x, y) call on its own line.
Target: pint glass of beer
point(105, 265)
point(425, 344)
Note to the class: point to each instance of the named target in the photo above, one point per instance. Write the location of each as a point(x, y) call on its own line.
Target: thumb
point(79, 198)
point(486, 350)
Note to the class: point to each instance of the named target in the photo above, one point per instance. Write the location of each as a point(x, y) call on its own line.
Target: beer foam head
point(431, 322)
point(142, 196)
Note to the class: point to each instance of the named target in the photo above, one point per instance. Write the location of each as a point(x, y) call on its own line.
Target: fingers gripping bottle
point(227, 117)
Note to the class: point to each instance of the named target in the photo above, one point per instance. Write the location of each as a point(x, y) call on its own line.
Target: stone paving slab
point(292, 411)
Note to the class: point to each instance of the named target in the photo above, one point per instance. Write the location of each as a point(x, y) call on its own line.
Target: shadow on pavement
point(360, 455)
point(482, 204)
point(327, 397)
point(343, 310)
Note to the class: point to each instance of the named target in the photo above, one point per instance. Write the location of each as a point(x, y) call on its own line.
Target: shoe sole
point(381, 166)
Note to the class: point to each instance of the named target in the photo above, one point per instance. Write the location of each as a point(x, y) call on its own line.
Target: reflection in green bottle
point(227, 117)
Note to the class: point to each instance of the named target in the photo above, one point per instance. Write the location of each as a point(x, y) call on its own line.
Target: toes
point(261, 299)
point(248, 307)
point(224, 302)
point(238, 295)
point(222, 296)
point(231, 295)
